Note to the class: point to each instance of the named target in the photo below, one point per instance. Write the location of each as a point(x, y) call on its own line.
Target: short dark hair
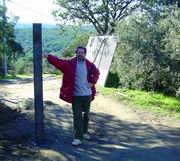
point(81, 47)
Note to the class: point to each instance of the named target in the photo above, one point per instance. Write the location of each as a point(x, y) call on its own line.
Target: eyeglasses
point(80, 52)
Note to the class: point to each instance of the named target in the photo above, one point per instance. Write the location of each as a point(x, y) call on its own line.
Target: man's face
point(80, 54)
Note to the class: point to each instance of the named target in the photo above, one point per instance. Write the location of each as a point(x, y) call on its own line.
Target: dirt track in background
point(119, 132)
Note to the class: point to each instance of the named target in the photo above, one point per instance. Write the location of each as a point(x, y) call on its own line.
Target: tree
point(81, 39)
point(13, 48)
point(148, 55)
point(164, 2)
point(102, 14)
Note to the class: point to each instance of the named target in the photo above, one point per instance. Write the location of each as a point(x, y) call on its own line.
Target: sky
point(31, 11)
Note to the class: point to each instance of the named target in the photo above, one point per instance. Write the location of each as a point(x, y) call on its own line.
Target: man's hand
point(45, 55)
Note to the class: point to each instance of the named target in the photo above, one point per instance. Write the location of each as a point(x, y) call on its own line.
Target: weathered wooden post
point(38, 89)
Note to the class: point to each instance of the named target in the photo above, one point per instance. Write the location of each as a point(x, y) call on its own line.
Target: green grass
point(155, 102)
point(9, 76)
point(26, 76)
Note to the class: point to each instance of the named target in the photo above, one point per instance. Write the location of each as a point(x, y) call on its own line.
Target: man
point(78, 88)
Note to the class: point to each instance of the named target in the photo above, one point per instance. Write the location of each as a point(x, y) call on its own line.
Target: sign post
point(38, 89)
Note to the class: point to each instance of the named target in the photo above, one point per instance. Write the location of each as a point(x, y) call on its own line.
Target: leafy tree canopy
point(103, 14)
point(148, 54)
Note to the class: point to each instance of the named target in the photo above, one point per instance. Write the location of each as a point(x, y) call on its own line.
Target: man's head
point(81, 53)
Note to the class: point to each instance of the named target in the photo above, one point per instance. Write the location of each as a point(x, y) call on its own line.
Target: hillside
point(53, 38)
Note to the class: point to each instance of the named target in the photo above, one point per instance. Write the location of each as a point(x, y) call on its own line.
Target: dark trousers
point(80, 107)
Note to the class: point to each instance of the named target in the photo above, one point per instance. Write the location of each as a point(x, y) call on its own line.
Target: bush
point(146, 58)
point(112, 80)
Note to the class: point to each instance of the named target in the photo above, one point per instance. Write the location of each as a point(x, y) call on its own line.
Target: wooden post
point(38, 92)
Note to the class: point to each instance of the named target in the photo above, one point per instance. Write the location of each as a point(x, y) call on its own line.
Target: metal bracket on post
point(38, 86)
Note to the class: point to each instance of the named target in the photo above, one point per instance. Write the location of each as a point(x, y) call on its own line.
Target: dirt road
point(118, 132)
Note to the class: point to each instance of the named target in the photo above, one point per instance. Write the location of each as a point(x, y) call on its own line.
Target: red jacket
point(68, 68)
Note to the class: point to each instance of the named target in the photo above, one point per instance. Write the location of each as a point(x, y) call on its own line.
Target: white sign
point(100, 50)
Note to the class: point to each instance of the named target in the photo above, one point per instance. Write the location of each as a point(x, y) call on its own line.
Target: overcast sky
point(30, 11)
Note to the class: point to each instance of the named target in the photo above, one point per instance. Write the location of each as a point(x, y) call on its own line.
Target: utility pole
point(4, 66)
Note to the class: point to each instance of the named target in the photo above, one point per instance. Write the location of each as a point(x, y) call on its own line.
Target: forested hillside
point(55, 39)
point(51, 38)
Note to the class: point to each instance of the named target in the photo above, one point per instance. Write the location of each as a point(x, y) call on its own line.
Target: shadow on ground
point(112, 139)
